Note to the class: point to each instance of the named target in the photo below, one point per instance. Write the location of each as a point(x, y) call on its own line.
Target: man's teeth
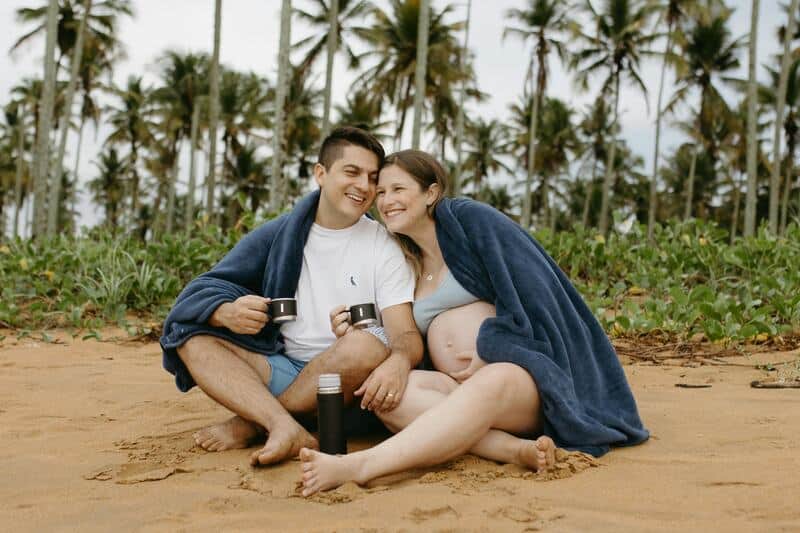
point(355, 198)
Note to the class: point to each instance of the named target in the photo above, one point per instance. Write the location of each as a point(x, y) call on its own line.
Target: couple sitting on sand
point(521, 364)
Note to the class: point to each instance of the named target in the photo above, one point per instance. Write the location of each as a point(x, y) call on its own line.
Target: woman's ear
point(432, 194)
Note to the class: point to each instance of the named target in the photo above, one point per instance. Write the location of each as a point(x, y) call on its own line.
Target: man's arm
point(385, 386)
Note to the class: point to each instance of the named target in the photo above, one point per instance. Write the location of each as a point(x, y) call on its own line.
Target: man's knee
point(359, 351)
point(195, 348)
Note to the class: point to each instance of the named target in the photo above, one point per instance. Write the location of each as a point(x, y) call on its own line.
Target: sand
point(95, 437)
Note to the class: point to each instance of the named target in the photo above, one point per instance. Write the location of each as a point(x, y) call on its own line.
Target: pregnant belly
point(453, 335)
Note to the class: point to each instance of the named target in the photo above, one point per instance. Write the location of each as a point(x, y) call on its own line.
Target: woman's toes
point(306, 466)
point(306, 454)
point(308, 475)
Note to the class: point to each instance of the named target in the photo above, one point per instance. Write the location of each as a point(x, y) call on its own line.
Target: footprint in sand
point(421, 515)
point(514, 513)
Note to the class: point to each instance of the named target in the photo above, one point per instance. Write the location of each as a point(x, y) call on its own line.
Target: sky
point(250, 35)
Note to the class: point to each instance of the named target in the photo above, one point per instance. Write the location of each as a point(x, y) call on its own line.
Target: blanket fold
point(543, 325)
point(265, 262)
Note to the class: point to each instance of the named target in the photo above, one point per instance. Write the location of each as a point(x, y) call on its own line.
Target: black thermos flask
point(330, 414)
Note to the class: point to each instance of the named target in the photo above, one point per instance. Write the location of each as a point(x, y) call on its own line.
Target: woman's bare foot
point(285, 440)
point(539, 454)
point(232, 434)
point(324, 472)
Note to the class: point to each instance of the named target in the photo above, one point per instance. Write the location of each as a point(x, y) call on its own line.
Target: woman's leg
point(500, 395)
point(427, 388)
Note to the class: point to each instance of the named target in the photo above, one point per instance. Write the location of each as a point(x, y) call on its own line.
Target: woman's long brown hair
point(426, 171)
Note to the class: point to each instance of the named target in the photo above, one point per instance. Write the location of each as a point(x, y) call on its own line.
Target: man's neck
point(329, 220)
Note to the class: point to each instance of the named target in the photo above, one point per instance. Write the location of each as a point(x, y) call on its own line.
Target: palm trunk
point(687, 211)
point(422, 69)
point(737, 193)
point(78, 159)
point(189, 221)
point(402, 124)
point(276, 188)
point(526, 199)
point(134, 184)
point(608, 182)
point(333, 32)
point(18, 176)
point(460, 115)
point(588, 199)
point(775, 181)
point(786, 193)
point(42, 158)
point(752, 177)
point(653, 206)
point(58, 168)
point(213, 113)
point(171, 186)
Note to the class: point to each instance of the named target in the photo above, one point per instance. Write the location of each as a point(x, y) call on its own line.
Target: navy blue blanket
point(266, 262)
point(543, 325)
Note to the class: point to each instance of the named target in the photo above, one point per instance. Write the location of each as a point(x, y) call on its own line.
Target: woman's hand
point(475, 364)
point(383, 389)
point(340, 321)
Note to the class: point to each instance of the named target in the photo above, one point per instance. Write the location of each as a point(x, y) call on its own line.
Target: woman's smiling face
point(400, 199)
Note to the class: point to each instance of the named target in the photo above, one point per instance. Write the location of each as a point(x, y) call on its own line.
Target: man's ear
point(319, 174)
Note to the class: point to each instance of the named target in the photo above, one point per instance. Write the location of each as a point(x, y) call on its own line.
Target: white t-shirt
point(355, 265)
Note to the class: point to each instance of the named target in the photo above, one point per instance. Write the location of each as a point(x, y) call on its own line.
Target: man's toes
point(305, 467)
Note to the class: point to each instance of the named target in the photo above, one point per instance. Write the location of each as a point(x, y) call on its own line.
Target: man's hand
point(246, 315)
point(384, 388)
point(475, 364)
point(340, 321)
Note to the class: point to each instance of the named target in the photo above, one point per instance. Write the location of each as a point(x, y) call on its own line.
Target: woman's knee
point(432, 380)
point(504, 381)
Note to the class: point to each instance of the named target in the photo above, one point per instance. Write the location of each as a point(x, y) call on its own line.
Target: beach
point(97, 438)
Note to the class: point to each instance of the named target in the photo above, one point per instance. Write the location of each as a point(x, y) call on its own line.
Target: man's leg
point(236, 379)
point(353, 356)
point(500, 395)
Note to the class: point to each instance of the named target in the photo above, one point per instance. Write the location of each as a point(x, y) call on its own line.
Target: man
point(325, 253)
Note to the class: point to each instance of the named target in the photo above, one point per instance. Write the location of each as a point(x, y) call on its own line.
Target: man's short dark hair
point(333, 146)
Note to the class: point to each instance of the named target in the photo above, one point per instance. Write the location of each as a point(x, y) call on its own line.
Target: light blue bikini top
point(448, 294)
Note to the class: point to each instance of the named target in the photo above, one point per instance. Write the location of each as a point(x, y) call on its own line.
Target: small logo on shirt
point(353, 280)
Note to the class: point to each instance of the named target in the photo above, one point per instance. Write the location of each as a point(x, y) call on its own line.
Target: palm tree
point(615, 48)
point(362, 110)
point(213, 110)
point(16, 133)
point(487, 143)
point(775, 181)
point(752, 177)
point(463, 60)
point(42, 157)
point(132, 126)
point(183, 78)
point(537, 23)
point(708, 53)
point(280, 101)
point(420, 70)
point(594, 128)
point(393, 41)
point(336, 19)
point(107, 188)
point(674, 12)
point(58, 168)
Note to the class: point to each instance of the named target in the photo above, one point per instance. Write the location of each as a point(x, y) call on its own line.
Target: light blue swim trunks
point(285, 369)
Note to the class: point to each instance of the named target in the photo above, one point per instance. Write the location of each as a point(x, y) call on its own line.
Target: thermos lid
point(329, 381)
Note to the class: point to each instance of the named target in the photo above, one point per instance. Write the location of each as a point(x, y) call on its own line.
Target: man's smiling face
point(348, 187)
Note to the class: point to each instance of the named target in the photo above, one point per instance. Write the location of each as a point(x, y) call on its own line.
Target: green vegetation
point(689, 281)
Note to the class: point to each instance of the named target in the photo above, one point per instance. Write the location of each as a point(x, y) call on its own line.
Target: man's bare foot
point(232, 434)
point(285, 440)
point(324, 472)
point(539, 454)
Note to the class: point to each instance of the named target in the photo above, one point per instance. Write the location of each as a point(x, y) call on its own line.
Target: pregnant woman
point(522, 364)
